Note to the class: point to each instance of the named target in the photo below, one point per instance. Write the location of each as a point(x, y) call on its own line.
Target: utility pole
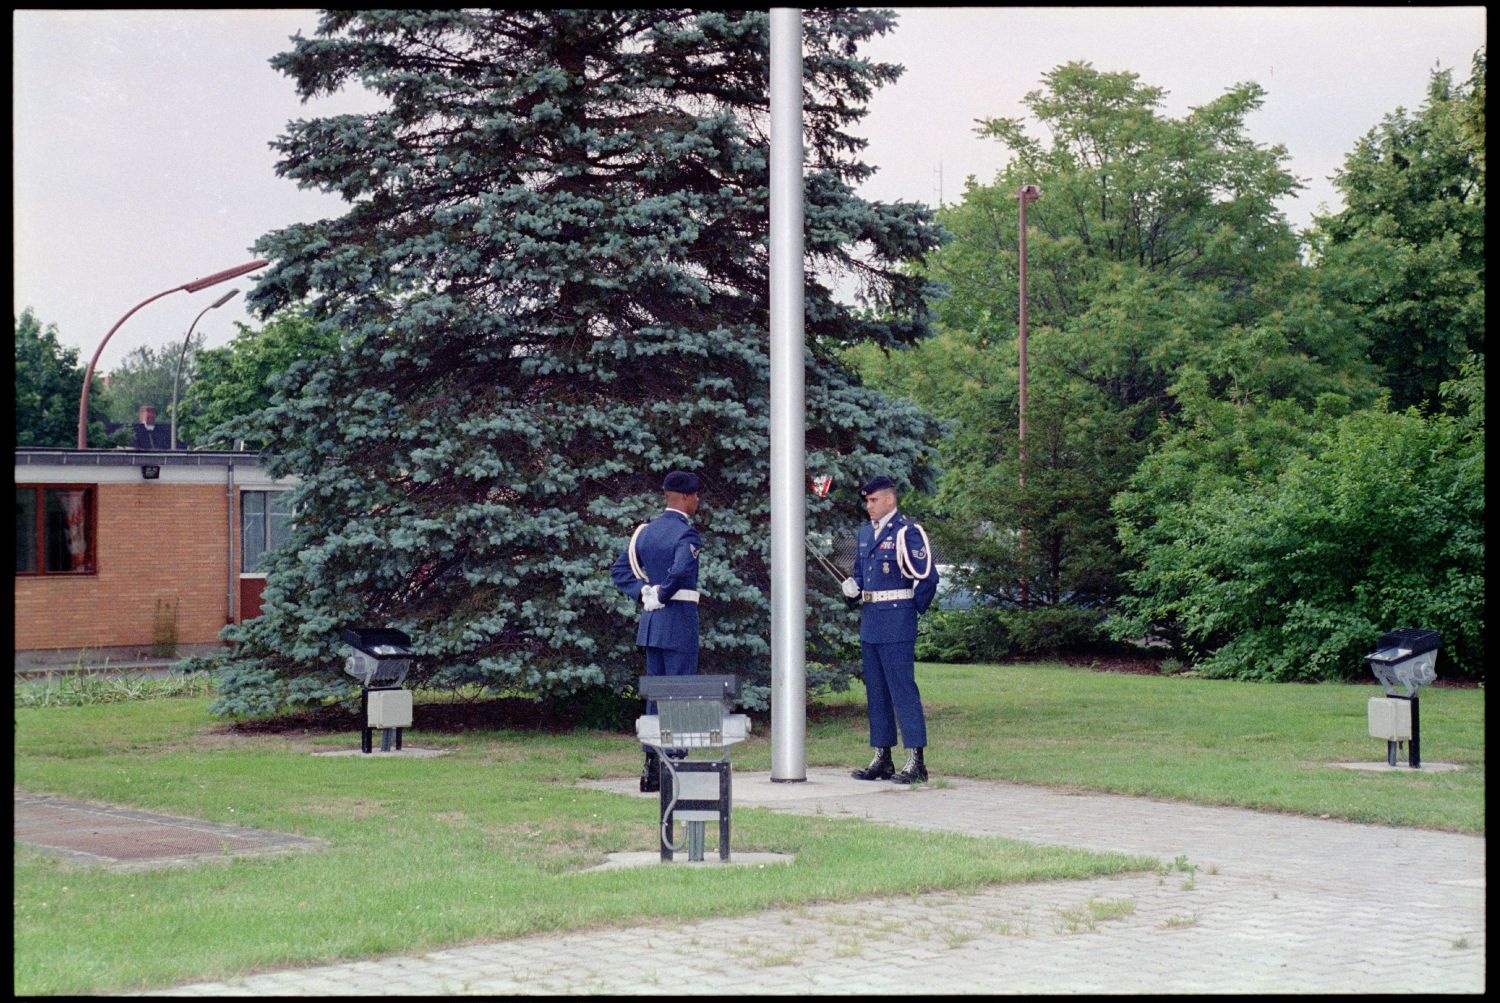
point(1026, 194)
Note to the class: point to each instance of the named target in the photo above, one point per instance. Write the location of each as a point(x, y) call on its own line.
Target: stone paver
point(1270, 903)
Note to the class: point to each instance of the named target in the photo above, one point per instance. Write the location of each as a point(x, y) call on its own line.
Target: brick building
point(130, 554)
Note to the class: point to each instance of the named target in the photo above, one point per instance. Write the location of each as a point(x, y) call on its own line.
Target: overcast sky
point(142, 156)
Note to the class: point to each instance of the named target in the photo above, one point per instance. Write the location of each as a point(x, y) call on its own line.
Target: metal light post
point(192, 287)
point(1026, 194)
point(177, 374)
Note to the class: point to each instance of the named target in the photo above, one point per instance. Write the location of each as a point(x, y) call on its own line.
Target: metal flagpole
point(788, 393)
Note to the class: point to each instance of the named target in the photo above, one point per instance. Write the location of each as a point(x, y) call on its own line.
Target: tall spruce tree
point(551, 288)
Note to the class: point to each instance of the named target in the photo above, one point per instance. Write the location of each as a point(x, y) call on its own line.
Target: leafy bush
point(1378, 524)
point(1049, 630)
point(962, 636)
point(987, 634)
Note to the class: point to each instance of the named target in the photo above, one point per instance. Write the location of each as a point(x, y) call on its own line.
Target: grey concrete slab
point(652, 858)
point(1401, 767)
point(404, 753)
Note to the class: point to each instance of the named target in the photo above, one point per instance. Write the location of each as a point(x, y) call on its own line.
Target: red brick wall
point(154, 542)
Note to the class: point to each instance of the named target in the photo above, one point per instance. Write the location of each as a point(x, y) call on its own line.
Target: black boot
point(914, 772)
point(880, 767)
point(650, 774)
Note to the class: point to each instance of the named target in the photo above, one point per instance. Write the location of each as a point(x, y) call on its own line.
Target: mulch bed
point(495, 714)
point(1129, 665)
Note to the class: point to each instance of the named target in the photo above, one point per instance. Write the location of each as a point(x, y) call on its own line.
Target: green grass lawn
point(1258, 745)
point(491, 840)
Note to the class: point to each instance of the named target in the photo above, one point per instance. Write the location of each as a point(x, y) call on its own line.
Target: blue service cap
point(881, 483)
point(681, 482)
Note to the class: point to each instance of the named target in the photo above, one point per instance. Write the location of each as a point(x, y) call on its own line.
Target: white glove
point(649, 599)
point(850, 587)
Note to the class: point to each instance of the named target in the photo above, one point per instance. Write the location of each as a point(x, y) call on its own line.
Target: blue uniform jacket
point(876, 570)
point(668, 552)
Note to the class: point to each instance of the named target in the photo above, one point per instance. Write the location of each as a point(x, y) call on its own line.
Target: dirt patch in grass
point(344, 807)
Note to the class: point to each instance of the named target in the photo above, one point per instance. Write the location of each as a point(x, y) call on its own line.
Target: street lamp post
point(1026, 194)
point(192, 287)
point(177, 374)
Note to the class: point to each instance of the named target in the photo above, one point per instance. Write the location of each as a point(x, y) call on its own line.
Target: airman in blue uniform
point(659, 569)
point(895, 578)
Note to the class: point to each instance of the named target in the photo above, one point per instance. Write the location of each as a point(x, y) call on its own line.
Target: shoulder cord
point(903, 555)
point(635, 562)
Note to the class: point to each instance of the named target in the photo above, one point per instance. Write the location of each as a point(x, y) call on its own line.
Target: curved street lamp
point(177, 373)
point(192, 287)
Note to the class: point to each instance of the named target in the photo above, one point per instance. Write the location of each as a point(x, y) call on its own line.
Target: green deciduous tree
point(1408, 248)
point(145, 377)
point(1157, 261)
point(49, 381)
point(1276, 541)
point(234, 384)
point(551, 287)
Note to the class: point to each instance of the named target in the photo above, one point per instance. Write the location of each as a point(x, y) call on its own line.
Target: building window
point(265, 524)
point(55, 530)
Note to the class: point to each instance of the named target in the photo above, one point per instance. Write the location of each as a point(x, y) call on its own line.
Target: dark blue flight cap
point(880, 483)
point(681, 482)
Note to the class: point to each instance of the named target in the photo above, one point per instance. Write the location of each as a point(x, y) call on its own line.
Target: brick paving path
point(1274, 904)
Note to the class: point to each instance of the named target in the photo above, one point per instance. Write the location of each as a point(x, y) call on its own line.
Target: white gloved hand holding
point(649, 599)
point(850, 587)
